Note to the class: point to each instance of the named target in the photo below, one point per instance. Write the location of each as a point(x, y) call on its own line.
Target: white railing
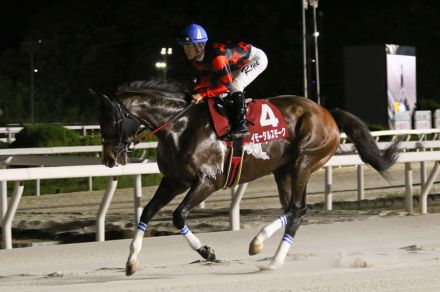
point(400, 132)
point(22, 174)
point(405, 157)
point(64, 150)
point(354, 159)
point(39, 157)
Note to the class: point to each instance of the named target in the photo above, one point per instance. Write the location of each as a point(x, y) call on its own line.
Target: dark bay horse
point(192, 159)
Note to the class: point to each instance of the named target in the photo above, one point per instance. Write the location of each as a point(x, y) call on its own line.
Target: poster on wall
point(401, 85)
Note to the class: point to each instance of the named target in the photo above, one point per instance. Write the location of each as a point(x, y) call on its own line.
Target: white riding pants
point(256, 64)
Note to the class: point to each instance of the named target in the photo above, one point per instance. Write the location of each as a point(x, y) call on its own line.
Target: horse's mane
point(151, 85)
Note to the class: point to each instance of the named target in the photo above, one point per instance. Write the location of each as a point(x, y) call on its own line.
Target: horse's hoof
point(207, 253)
point(270, 267)
point(273, 266)
point(255, 248)
point(132, 267)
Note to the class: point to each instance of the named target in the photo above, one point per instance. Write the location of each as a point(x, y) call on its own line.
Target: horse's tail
point(359, 134)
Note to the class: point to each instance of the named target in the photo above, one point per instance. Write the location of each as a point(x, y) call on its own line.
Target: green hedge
point(377, 127)
point(50, 135)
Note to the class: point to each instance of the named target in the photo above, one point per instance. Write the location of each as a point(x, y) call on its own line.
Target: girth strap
point(235, 164)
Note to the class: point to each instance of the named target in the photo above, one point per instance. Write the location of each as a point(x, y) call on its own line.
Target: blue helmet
point(192, 34)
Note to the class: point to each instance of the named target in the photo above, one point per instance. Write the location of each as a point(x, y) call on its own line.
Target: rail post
point(360, 181)
point(103, 208)
point(328, 188)
point(237, 193)
point(409, 188)
point(426, 187)
point(3, 197)
point(423, 170)
point(10, 213)
point(9, 136)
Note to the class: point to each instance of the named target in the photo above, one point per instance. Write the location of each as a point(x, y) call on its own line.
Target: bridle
point(129, 125)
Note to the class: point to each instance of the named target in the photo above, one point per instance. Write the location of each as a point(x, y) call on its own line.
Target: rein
point(137, 140)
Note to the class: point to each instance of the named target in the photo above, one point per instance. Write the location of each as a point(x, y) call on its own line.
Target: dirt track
point(374, 246)
point(379, 254)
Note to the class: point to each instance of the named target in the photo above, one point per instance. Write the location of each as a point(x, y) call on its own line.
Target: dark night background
point(101, 44)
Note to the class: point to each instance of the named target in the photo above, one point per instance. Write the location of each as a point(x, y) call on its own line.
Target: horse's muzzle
point(110, 159)
point(109, 162)
point(108, 156)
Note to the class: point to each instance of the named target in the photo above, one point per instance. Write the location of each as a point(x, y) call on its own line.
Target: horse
point(191, 158)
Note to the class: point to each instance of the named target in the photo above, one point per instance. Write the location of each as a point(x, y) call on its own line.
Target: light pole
point(31, 47)
point(304, 39)
point(163, 64)
point(315, 60)
point(315, 37)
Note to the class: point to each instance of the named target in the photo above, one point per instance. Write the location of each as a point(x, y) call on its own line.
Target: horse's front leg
point(197, 194)
point(168, 189)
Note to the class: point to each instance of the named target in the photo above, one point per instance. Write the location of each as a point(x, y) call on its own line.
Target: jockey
point(223, 68)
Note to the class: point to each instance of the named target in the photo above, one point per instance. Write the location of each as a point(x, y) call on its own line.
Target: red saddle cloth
point(265, 121)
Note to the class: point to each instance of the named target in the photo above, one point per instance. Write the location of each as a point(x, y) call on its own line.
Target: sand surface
point(378, 254)
point(371, 246)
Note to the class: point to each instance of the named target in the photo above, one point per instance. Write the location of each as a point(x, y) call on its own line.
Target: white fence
point(39, 157)
point(7, 212)
point(422, 134)
point(23, 174)
point(407, 158)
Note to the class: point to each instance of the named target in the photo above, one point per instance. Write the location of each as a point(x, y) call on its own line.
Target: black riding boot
point(238, 117)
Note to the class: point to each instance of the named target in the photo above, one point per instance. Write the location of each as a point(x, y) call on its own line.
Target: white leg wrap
point(136, 244)
point(281, 253)
point(270, 229)
point(192, 240)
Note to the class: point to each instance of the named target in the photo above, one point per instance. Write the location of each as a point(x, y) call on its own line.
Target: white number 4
point(268, 117)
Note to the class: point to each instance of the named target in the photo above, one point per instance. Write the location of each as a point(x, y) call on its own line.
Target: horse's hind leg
point(283, 180)
point(167, 190)
point(294, 214)
point(294, 218)
point(197, 194)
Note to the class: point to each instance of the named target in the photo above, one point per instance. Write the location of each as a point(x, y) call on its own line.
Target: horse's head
point(118, 127)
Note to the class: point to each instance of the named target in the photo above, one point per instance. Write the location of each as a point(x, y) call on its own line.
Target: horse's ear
point(106, 102)
point(92, 92)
